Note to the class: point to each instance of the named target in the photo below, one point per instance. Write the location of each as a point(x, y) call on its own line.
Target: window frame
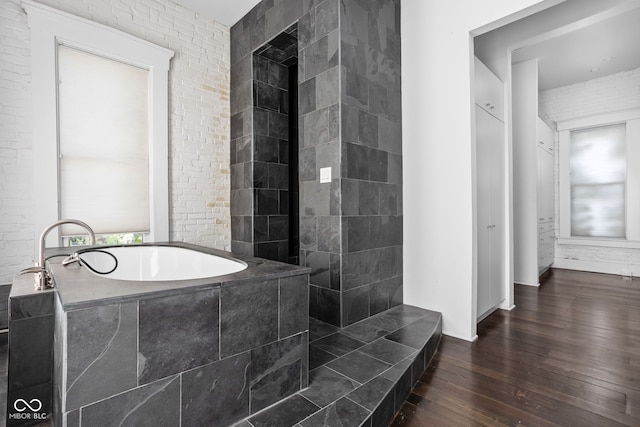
point(50, 27)
point(631, 118)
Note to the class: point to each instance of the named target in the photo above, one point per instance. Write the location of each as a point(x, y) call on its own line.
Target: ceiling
point(226, 12)
point(574, 41)
point(607, 46)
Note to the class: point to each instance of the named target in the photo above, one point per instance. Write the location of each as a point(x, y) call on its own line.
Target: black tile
point(355, 305)
point(275, 371)
point(286, 413)
point(359, 366)
point(294, 305)
point(268, 97)
point(370, 394)
point(30, 306)
point(308, 232)
point(327, 385)
point(368, 198)
point(357, 89)
point(307, 96)
point(338, 344)
point(379, 166)
point(356, 165)
point(260, 68)
point(278, 176)
point(319, 262)
point(368, 129)
point(248, 316)
point(157, 403)
point(307, 161)
point(260, 174)
point(414, 335)
point(260, 122)
point(343, 412)
point(358, 233)
point(101, 349)
point(328, 309)
point(387, 351)
point(329, 237)
point(216, 394)
point(319, 329)
point(383, 414)
point(267, 149)
point(365, 331)
point(177, 333)
point(31, 352)
point(266, 202)
point(319, 357)
point(278, 125)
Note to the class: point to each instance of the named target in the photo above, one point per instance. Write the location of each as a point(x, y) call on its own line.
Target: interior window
point(598, 169)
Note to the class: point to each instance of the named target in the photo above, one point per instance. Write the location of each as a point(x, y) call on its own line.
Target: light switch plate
point(325, 175)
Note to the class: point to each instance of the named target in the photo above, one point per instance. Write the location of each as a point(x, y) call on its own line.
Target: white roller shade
point(104, 143)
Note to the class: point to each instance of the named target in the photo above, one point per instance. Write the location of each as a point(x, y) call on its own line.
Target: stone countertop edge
point(79, 288)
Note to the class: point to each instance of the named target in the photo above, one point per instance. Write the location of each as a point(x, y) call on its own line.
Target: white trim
point(607, 243)
point(632, 120)
point(48, 27)
point(598, 267)
point(599, 120)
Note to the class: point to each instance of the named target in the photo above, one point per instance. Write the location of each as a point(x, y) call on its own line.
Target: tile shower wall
point(198, 128)
point(350, 120)
point(271, 147)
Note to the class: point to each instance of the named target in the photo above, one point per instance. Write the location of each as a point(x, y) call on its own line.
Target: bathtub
point(156, 263)
point(148, 342)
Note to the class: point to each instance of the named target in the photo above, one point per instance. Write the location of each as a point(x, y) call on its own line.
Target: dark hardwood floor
point(567, 355)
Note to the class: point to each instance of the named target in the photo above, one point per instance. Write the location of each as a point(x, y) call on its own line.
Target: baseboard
point(537, 285)
point(598, 267)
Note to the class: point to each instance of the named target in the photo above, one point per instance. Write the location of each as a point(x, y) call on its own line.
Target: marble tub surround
point(360, 374)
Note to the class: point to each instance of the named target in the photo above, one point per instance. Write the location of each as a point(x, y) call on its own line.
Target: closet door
point(490, 200)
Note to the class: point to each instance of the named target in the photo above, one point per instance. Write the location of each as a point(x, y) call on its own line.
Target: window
point(598, 173)
point(103, 143)
point(600, 178)
point(59, 36)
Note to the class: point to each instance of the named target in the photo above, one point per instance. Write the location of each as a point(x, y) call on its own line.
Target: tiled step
point(359, 375)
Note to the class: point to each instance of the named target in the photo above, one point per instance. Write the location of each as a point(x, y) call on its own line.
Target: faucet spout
point(43, 281)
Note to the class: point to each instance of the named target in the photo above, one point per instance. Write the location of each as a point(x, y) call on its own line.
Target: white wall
point(617, 92)
point(437, 104)
point(525, 172)
point(198, 120)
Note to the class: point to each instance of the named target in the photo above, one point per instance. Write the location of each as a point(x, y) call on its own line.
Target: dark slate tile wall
point(350, 114)
point(207, 357)
point(271, 149)
point(371, 158)
point(31, 324)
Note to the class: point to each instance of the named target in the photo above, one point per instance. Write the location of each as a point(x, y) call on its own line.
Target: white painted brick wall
point(617, 92)
point(198, 129)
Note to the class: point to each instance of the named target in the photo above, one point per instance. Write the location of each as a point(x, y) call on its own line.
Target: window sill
point(602, 242)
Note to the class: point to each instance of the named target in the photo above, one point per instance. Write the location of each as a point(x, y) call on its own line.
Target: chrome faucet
point(43, 280)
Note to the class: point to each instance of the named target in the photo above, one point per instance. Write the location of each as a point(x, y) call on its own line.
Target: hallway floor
point(567, 355)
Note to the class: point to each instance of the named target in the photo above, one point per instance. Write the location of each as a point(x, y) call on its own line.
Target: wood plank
point(568, 354)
